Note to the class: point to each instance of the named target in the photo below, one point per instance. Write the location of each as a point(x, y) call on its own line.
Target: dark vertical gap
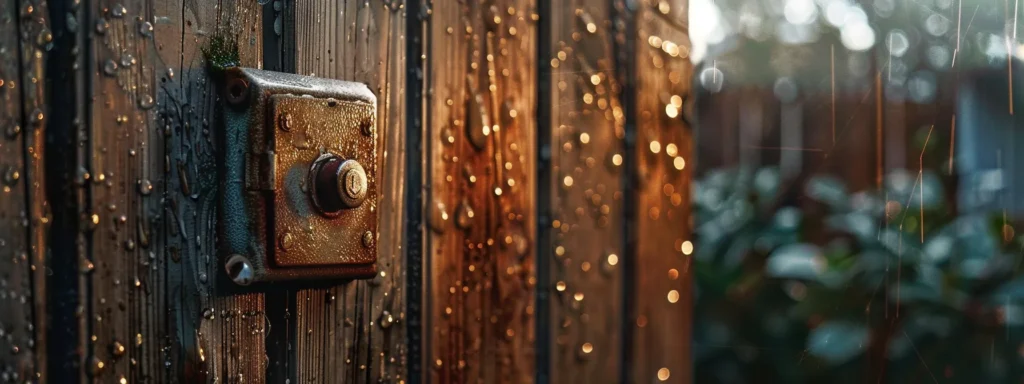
point(280, 303)
point(84, 90)
point(543, 182)
point(415, 152)
point(279, 36)
point(623, 47)
point(60, 162)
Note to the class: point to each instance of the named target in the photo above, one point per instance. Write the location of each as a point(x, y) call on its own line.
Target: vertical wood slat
point(663, 301)
point(586, 122)
point(22, 303)
point(355, 332)
point(35, 37)
point(207, 332)
point(480, 142)
point(118, 161)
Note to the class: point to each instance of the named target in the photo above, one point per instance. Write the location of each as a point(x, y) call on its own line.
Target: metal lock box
point(299, 178)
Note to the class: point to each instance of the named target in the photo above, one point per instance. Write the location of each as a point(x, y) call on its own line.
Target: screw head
point(286, 241)
point(367, 239)
point(239, 270)
point(237, 91)
point(367, 128)
point(285, 122)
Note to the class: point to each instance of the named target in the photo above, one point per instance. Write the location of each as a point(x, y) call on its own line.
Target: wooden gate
point(533, 193)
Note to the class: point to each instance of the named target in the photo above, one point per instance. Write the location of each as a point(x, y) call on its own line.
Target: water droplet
point(81, 176)
point(36, 117)
point(95, 366)
point(145, 187)
point(146, 29)
point(118, 11)
point(11, 176)
point(518, 242)
point(464, 215)
point(70, 22)
point(87, 266)
point(586, 351)
point(110, 67)
point(117, 349)
point(478, 126)
point(386, 320)
point(102, 26)
point(145, 102)
point(438, 219)
point(127, 60)
point(447, 136)
point(44, 38)
point(13, 131)
point(712, 79)
point(663, 374)
point(209, 314)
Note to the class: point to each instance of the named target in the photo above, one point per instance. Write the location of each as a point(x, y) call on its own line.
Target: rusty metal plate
point(299, 197)
point(309, 129)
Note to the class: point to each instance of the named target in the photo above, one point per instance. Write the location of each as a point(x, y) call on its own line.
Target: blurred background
point(855, 194)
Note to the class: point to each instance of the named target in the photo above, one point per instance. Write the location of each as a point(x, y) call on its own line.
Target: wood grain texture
point(586, 227)
point(221, 332)
point(355, 332)
point(663, 301)
point(153, 311)
point(480, 78)
point(23, 352)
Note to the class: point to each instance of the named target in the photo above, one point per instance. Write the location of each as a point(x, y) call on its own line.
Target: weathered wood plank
point(661, 345)
point(354, 332)
point(586, 187)
point(35, 39)
point(23, 354)
point(208, 333)
point(119, 164)
point(481, 137)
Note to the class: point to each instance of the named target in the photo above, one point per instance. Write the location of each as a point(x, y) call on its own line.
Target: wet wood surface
point(23, 36)
point(481, 155)
point(354, 332)
point(586, 187)
point(150, 272)
point(136, 279)
point(662, 296)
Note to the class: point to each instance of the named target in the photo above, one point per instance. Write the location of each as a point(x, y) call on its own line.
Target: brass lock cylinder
point(337, 184)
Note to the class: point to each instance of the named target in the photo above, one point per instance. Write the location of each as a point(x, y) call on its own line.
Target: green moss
point(221, 53)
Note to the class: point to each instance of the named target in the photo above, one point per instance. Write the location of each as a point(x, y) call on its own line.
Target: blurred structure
point(856, 193)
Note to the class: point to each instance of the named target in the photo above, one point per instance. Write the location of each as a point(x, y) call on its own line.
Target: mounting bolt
point(367, 239)
point(237, 91)
point(285, 122)
point(286, 241)
point(239, 269)
point(367, 127)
